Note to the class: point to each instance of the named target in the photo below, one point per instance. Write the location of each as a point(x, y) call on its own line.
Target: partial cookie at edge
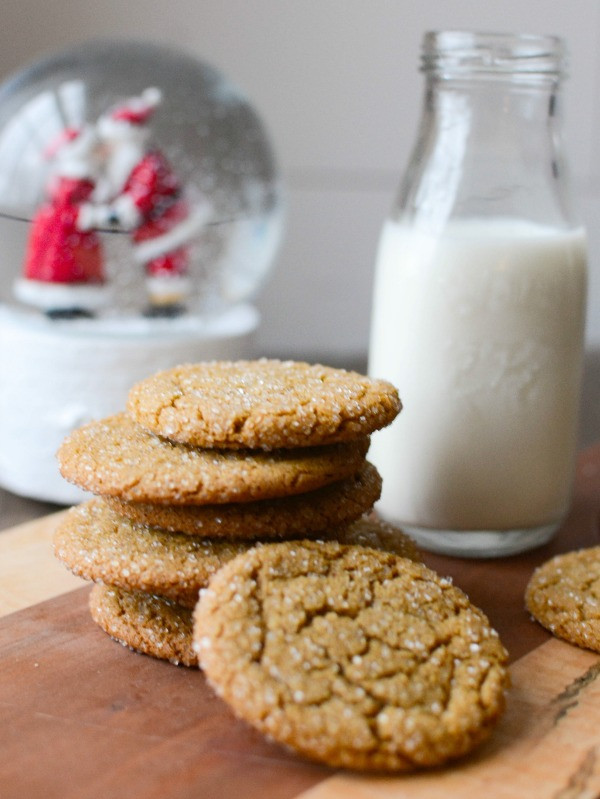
point(563, 595)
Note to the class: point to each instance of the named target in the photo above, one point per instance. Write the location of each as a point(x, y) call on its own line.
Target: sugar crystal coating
point(116, 457)
point(330, 506)
point(98, 544)
point(148, 624)
point(370, 531)
point(264, 404)
point(563, 595)
point(351, 656)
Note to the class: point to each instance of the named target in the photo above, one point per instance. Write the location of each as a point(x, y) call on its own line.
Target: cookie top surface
point(265, 404)
point(351, 656)
point(117, 457)
point(149, 624)
point(563, 594)
point(323, 508)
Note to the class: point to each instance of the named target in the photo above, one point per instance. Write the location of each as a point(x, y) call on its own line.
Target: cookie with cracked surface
point(295, 516)
point(563, 595)
point(351, 656)
point(266, 404)
point(116, 457)
point(148, 624)
point(96, 543)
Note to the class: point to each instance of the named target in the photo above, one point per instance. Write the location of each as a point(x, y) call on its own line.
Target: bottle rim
point(456, 52)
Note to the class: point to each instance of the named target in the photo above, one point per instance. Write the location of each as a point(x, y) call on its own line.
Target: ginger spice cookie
point(265, 404)
point(351, 656)
point(117, 457)
point(149, 624)
point(563, 595)
point(285, 517)
point(98, 544)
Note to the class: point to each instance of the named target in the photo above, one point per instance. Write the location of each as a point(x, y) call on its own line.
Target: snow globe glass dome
point(140, 212)
point(96, 110)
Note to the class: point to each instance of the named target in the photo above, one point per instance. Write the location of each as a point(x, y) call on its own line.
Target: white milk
point(481, 330)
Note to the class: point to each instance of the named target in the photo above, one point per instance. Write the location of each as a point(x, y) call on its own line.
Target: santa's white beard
point(123, 157)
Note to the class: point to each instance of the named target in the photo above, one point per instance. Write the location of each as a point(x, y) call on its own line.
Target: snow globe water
point(141, 210)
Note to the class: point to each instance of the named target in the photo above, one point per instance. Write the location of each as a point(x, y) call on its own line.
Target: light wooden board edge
point(29, 572)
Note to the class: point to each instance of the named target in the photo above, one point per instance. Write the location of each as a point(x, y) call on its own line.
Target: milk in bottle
point(478, 318)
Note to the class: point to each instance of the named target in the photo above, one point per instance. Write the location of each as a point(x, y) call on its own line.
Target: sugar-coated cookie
point(301, 515)
point(149, 624)
point(116, 457)
point(96, 543)
point(352, 656)
point(563, 595)
point(265, 404)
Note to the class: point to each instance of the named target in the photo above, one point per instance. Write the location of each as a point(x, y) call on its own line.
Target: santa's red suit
point(57, 250)
point(153, 189)
point(63, 271)
point(142, 194)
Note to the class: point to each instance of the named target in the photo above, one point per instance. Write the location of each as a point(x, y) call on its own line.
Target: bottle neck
point(495, 56)
point(504, 81)
point(504, 122)
point(490, 140)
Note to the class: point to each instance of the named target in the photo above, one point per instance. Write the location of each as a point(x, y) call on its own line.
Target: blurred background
point(337, 85)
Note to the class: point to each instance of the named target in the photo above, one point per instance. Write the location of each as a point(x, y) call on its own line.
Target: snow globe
point(140, 213)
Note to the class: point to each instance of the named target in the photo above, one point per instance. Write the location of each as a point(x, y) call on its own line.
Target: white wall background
point(337, 84)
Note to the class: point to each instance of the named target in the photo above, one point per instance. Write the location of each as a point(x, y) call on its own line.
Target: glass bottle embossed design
point(479, 304)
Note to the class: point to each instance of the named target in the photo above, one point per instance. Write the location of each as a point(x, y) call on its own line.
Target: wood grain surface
point(29, 572)
point(86, 718)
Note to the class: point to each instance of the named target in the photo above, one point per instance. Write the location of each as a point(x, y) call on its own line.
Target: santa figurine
point(63, 271)
point(141, 193)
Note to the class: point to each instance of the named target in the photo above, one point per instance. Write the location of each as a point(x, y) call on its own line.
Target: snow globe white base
point(56, 376)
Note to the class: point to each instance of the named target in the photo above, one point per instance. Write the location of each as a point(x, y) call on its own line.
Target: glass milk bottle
point(478, 306)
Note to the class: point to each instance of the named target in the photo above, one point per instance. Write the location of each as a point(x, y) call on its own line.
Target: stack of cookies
point(231, 530)
point(207, 461)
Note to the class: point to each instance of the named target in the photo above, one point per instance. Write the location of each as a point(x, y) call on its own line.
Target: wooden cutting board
point(84, 718)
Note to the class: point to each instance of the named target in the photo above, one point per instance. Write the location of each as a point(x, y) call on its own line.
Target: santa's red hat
point(137, 110)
